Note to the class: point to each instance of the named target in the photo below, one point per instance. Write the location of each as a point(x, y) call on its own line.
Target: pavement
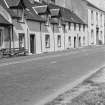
point(29, 80)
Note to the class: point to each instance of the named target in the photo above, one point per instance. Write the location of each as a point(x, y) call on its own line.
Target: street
point(28, 80)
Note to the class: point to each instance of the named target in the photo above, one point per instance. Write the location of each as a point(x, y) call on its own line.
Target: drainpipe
point(9, 36)
point(53, 37)
point(41, 35)
point(77, 41)
point(64, 37)
point(13, 38)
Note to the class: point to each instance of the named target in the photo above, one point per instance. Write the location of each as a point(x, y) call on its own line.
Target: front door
point(97, 36)
point(79, 41)
point(32, 43)
point(74, 42)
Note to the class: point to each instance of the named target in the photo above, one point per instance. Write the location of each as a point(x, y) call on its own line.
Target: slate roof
point(12, 2)
point(42, 9)
point(30, 15)
point(3, 21)
point(67, 15)
point(2, 3)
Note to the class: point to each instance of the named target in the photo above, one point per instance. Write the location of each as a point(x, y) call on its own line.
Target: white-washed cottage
point(41, 27)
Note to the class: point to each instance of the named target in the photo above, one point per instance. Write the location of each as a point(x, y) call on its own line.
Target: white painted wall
point(93, 27)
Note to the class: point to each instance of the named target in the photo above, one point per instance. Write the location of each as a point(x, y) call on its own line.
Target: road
point(28, 80)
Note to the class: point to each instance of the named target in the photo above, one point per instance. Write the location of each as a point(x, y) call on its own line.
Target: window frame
point(75, 26)
point(47, 41)
point(80, 26)
point(69, 25)
point(92, 36)
point(69, 40)
point(101, 19)
point(21, 42)
point(84, 40)
point(59, 40)
point(92, 17)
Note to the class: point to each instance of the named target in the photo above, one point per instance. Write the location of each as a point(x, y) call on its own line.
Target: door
point(74, 42)
point(79, 41)
point(97, 36)
point(32, 43)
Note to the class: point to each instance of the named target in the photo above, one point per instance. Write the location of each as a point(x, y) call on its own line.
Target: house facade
point(96, 26)
point(6, 29)
point(41, 27)
point(93, 16)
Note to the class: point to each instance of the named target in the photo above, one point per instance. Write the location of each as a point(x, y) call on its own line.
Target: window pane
point(69, 40)
point(59, 41)
point(47, 41)
point(84, 40)
point(21, 40)
point(92, 36)
point(92, 18)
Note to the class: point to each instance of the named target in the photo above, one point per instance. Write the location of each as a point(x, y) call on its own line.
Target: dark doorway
point(32, 43)
point(97, 36)
point(74, 42)
point(79, 41)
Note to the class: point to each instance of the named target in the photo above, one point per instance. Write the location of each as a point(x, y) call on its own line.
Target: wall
point(95, 25)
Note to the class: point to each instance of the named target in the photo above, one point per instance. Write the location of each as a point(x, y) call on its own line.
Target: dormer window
point(18, 9)
point(48, 1)
point(44, 12)
point(56, 14)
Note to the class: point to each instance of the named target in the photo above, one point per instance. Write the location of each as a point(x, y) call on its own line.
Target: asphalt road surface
point(28, 80)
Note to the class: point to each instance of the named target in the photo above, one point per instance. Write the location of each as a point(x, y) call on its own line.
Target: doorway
point(74, 42)
point(79, 41)
point(32, 44)
point(97, 36)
